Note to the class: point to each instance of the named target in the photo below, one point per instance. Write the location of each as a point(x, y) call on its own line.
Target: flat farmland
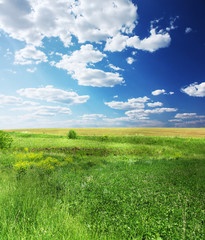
point(169, 132)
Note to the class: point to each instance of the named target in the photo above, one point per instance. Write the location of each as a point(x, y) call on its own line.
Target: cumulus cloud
point(10, 100)
point(172, 23)
point(115, 68)
point(188, 30)
point(77, 64)
point(117, 43)
point(96, 20)
point(155, 41)
point(97, 78)
point(130, 60)
point(195, 89)
point(8, 52)
point(29, 55)
point(155, 104)
point(30, 103)
point(161, 91)
point(161, 110)
point(133, 122)
point(112, 22)
point(188, 120)
point(188, 116)
point(143, 113)
point(130, 104)
point(92, 116)
point(88, 20)
point(51, 94)
point(193, 123)
point(31, 70)
point(158, 92)
point(175, 120)
point(44, 110)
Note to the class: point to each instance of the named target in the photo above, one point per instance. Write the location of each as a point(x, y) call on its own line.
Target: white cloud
point(10, 100)
point(96, 20)
point(155, 104)
point(133, 122)
point(152, 43)
point(97, 78)
point(172, 23)
point(188, 120)
point(31, 70)
point(80, 58)
point(30, 103)
point(175, 120)
point(130, 104)
point(188, 30)
point(195, 89)
point(88, 20)
point(44, 110)
point(8, 53)
point(130, 60)
point(77, 65)
point(188, 116)
point(161, 91)
point(117, 43)
point(51, 94)
point(137, 114)
point(92, 116)
point(29, 55)
point(194, 124)
point(158, 92)
point(161, 110)
point(143, 113)
point(116, 96)
point(115, 68)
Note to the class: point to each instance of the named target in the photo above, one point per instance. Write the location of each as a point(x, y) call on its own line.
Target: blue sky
point(110, 63)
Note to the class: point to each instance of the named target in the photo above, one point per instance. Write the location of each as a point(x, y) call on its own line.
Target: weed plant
point(5, 140)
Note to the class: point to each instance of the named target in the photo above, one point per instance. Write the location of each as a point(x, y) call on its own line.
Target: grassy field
point(103, 187)
point(169, 132)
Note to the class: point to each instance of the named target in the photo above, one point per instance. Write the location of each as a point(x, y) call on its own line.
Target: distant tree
point(72, 134)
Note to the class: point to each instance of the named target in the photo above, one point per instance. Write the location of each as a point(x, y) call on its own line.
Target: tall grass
point(113, 188)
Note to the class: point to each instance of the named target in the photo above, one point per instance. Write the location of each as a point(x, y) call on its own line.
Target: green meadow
point(108, 186)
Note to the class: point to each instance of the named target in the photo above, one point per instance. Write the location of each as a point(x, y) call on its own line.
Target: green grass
point(116, 187)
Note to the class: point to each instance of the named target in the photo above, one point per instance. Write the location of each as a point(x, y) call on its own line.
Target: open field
point(169, 132)
point(102, 187)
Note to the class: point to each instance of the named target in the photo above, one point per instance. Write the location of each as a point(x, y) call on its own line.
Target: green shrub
point(72, 134)
point(5, 140)
point(104, 138)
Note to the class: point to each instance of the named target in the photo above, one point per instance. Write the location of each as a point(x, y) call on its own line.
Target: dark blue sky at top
point(183, 62)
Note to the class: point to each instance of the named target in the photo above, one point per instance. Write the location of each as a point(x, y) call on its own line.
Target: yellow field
point(171, 132)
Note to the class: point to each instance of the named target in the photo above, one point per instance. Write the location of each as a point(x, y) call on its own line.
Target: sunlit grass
point(117, 187)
